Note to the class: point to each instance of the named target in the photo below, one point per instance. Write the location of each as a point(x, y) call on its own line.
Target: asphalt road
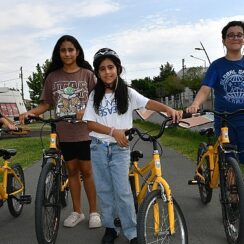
point(204, 222)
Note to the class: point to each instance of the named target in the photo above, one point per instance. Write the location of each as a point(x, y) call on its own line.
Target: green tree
point(172, 85)
point(165, 71)
point(193, 78)
point(144, 86)
point(35, 82)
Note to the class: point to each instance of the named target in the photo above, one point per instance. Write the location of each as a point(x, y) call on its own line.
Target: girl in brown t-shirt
point(67, 84)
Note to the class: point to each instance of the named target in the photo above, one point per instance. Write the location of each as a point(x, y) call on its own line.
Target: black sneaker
point(109, 236)
point(133, 241)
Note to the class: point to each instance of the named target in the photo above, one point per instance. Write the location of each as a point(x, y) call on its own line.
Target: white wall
point(11, 102)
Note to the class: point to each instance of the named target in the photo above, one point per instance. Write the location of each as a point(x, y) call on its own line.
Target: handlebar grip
point(130, 134)
point(127, 132)
point(186, 115)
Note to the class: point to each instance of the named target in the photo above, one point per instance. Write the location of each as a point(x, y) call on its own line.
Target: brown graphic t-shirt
point(68, 93)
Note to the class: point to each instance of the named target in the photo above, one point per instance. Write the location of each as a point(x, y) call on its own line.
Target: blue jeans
point(110, 164)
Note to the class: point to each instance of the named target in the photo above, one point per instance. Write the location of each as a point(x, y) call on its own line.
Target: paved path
point(204, 222)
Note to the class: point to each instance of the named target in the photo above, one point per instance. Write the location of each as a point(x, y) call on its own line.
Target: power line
point(15, 71)
point(10, 79)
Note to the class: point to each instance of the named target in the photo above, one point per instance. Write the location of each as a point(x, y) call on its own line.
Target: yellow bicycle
point(159, 217)
point(12, 181)
point(217, 166)
point(52, 187)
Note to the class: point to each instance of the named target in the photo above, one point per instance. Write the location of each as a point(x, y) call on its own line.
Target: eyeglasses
point(233, 36)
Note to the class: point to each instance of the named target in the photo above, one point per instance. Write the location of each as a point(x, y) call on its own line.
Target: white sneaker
point(73, 219)
point(95, 220)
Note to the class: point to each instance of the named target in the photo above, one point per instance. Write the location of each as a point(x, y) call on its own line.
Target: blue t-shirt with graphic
point(227, 79)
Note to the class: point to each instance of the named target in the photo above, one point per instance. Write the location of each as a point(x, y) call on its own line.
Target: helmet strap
point(112, 86)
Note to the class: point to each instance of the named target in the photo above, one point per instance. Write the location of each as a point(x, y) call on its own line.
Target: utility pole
point(22, 85)
point(211, 92)
point(183, 69)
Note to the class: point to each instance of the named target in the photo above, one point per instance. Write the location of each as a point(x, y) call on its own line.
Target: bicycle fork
point(161, 183)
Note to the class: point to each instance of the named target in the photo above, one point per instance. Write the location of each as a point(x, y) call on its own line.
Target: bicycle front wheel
point(47, 206)
point(14, 205)
point(232, 201)
point(146, 222)
point(205, 190)
point(133, 189)
point(64, 195)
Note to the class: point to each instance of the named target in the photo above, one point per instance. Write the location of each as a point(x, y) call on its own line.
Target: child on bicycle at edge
point(67, 84)
point(108, 114)
point(5, 121)
point(226, 76)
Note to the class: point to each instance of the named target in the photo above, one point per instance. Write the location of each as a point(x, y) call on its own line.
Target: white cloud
point(30, 29)
point(94, 8)
point(147, 47)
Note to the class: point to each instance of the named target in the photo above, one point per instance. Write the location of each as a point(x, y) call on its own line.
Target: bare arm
point(200, 98)
point(40, 109)
point(160, 107)
point(7, 122)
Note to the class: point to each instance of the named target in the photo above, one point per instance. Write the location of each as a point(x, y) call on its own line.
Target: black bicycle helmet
point(103, 53)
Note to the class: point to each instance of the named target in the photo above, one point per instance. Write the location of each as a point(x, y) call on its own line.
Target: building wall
point(11, 102)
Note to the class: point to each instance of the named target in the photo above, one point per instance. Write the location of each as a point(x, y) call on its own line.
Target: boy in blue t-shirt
point(226, 76)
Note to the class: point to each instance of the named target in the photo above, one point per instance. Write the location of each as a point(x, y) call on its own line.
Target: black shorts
point(75, 150)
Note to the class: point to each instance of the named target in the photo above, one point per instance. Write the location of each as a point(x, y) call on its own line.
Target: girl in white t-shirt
point(108, 114)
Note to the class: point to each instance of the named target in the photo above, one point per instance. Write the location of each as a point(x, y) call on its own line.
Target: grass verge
point(29, 149)
point(181, 140)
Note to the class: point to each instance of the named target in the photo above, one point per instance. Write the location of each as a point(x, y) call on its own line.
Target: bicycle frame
point(4, 171)
point(53, 148)
point(157, 181)
point(213, 154)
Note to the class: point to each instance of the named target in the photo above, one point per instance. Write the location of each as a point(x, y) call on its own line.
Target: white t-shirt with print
point(108, 114)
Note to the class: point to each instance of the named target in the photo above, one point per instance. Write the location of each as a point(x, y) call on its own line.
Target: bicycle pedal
point(117, 222)
point(192, 182)
point(25, 199)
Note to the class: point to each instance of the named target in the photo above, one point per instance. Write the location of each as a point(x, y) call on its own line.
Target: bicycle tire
point(204, 188)
point(64, 195)
point(232, 201)
point(47, 205)
point(14, 206)
point(145, 223)
point(133, 189)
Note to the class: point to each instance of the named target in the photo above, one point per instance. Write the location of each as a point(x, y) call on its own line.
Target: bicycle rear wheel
point(205, 190)
point(232, 201)
point(14, 205)
point(47, 205)
point(146, 221)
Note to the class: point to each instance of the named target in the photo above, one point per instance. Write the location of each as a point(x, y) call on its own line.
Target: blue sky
point(146, 34)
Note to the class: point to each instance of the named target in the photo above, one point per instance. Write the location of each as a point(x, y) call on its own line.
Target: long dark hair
point(56, 62)
point(120, 90)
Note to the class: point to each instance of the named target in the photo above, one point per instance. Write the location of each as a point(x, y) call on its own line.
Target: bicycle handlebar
point(67, 118)
point(222, 114)
point(8, 131)
point(147, 137)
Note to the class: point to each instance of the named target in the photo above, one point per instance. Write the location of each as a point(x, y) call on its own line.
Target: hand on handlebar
point(175, 115)
point(25, 116)
point(193, 108)
point(120, 137)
